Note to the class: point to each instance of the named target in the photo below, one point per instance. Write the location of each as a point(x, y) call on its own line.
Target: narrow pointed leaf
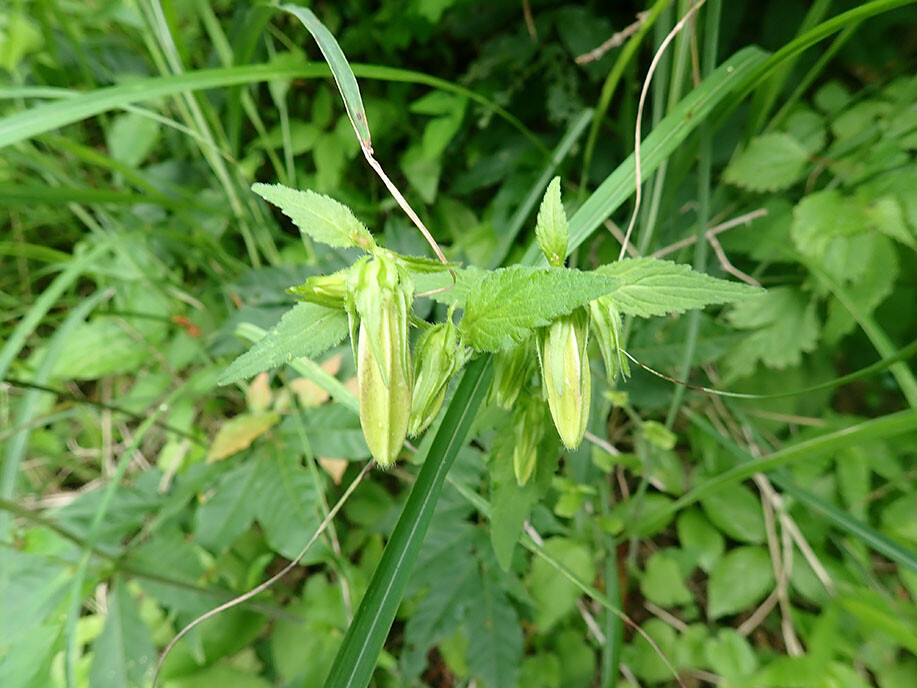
point(657, 287)
point(305, 330)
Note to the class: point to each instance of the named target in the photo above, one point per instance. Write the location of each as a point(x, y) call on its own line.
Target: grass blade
point(354, 664)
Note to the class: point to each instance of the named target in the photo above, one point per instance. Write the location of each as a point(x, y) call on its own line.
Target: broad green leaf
point(319, 216)
point(511, 502)
point(699, 539)
point(285, 501)
point(455, 579)
point(223, 675)
point(495, 638)
point(644, 659)
point(123, 655)
point(736, 512)
point(238, 433)
point(304, 646)
point(874, 611)
point(466, 281)
point(661, 582)
point(823, 216)
point(771, 162)
point(98, 348)
point(29, 656)
point(306, 330)
point(507, 304)
point(132, 137)
point(657, 287)
point(785, 325)
point(739, 580)
point(230, 511)
point(551, 228)
point(555, 596)
point(730, 655)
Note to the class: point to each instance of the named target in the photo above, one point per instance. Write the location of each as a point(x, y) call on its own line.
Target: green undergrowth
point(191, 241)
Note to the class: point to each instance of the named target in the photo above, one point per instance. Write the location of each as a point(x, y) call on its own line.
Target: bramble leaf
point(319, 216)
point(507, 304)
point(657, 287)
point(771, 162)
point(551, 228)
point(306, 329)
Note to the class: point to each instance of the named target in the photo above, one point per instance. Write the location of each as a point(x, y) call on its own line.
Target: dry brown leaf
point(238, 434)
point(334, 467)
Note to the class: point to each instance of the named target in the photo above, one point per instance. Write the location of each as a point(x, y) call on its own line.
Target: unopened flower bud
point(512, 371)
point(528, 430)
point(435, 362)
point(382, 294)
point(565, 374)
point(606, 322)
point(325, 290)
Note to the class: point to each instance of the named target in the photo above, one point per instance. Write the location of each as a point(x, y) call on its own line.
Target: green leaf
point(739, 580)
point(123, 655)
point(551, 227)
point(730, 655)
point(555, 596)
point(306, 330)
point(700, 540)
point(661, 582)
point(454, 581)
point(771, 162)
point(511, 502)
point(495, 638)
point(785, 324)
point(507, 304)
point(736, 512)
point(230, 511)
point(650, 286)
point(823, 216)
point(285, 501)
point(319, 216)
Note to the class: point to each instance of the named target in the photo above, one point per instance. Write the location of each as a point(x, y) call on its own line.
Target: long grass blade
point(353, 666)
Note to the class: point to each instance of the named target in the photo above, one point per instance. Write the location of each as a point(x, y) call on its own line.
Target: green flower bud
point(512, 370)
point(528, 429)
point(607, 324)
point(435, 362)
point(380, 294)
point(325, 290)
point(565, 374)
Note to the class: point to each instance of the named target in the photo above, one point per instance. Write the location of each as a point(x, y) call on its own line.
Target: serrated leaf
point(495, 638)
point(229, 512)
point(306, 330)
point(123, 654)
point(787, 326)
point(771, 162)
point(507, 304)
point(466, 281)
point(822, 216)
point(650, 286)
point(551, 228)
point(319, 216)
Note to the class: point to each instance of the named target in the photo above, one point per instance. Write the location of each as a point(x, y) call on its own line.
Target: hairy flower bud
point(607, 324)
point(528, 429)
point(565, 374)
point(435, 362)
point(512, 370)
point(325, 290)
point(381, 294)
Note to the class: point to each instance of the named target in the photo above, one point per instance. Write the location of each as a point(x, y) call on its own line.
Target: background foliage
point(135, 264)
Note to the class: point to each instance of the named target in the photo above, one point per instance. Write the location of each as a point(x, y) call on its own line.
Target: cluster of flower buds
point(437, 359)
point(380, 296)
